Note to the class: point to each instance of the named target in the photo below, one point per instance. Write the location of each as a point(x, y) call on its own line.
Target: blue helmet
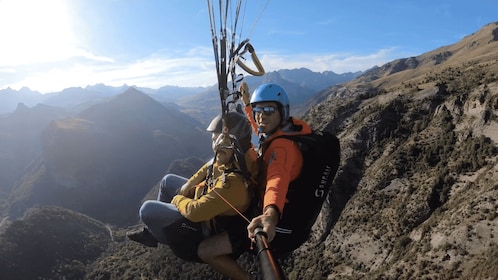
point(272, 93)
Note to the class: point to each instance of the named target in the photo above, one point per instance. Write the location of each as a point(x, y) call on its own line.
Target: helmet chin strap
point(263, 136)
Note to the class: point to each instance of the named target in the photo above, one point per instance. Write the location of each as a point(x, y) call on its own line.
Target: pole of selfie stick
point(270, 268)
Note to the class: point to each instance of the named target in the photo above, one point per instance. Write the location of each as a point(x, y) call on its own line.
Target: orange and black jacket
point(282, 160)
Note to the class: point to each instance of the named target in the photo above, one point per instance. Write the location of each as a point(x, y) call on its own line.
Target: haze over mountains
point(99, 149)
point(414, 198)
point(105, 158)
point(301, 84)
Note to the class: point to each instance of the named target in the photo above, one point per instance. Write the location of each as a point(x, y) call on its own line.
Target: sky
point(51, 45)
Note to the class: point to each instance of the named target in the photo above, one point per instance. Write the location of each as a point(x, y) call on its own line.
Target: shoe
point(142, 236)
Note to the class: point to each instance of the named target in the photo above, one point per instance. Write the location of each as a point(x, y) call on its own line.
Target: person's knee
point(170, 179)
point(164, 182)
point(145, 211)
point(169, 186)
point(203, 252)
point(206, 251)
point(214, 247)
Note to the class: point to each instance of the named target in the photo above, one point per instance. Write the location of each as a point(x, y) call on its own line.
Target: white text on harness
point(321, 191)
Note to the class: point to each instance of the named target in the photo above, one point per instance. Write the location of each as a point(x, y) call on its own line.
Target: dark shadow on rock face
point(51, 243)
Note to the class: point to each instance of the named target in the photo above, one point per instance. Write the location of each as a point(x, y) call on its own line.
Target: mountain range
point(414, 198)
point(100, 160)
point(73, 143)
point(301, 84)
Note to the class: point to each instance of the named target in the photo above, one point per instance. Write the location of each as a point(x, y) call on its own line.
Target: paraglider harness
point(308, 192)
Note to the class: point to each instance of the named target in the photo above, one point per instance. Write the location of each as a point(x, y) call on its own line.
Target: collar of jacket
point(293, 126)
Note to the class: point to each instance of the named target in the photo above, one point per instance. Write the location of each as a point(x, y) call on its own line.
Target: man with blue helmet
point(269, 112)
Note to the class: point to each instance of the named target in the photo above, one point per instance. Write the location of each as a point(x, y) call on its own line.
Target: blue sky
point(55, 44)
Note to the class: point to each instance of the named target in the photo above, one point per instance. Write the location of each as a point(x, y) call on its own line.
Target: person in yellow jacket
point(224, 180)
point(199, 217)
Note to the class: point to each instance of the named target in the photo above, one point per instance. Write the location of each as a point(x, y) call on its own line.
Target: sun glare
point(34, 31)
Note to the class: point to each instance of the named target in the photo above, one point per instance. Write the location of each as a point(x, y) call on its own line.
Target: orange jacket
point(282, 160)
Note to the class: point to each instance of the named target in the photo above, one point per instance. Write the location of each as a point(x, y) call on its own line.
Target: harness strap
point(232, 206)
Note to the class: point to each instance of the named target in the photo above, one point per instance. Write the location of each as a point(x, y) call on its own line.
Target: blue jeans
point(158, 214)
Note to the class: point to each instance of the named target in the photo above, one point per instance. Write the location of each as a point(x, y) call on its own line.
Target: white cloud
point(154, 72)
point(336, 62)
point(192, 68)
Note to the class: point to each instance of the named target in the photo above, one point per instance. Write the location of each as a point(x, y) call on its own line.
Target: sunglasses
point(267, 110)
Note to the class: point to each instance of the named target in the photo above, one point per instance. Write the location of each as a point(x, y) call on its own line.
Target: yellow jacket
point(207, 202)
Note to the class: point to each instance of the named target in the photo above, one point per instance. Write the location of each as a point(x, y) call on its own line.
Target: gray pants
point(160, 213)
